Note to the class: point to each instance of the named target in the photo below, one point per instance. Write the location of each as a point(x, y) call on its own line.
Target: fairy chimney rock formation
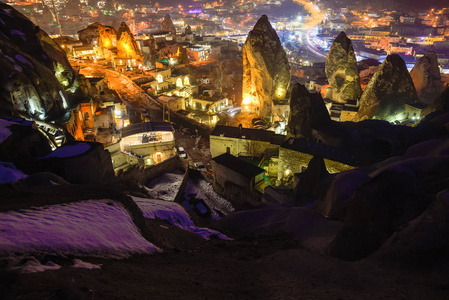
point(127, 45)
point(387, 92)
point(427, 78)
point(341, 70)
point(167, 24)
point(306, 112)
point(266, 71)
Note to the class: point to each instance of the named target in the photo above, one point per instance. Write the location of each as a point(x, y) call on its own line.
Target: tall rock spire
point(427, 78)
point(341, 70)
point(266, 71)
point(307, 111)
point(127, 45)
point(167, 24)
point(387, 92)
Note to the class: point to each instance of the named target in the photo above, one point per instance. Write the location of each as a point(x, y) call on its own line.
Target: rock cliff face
point(266, 71)
point(107, 37)
point(306, 112)
point(167, 24)
point(127, 45)
point(341, 70)
point(387, 92)
point(439, 104)
point(35, 70)
point(427, 78)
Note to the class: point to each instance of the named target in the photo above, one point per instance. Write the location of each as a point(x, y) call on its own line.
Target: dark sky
point(409, 4)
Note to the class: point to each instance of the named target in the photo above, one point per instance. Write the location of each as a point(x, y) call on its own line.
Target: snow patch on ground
point(17, 32)
point(78, 263)
point(18, 68)
point(23, 60)
point(30, 264)
point(69, 150)
point(175, 214)
point(9, 173)
point(101, 228)
point(204, 190)
point(166, 186)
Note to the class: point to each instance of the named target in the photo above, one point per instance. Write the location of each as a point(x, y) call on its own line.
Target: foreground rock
point(441, 104)
point(266, 71)
point(335, 201)
point(423, 243)
point(311, 229)
point(427, 78)
point(387, 92)
point(307, 111)
point(376, 211)
point(341, 70)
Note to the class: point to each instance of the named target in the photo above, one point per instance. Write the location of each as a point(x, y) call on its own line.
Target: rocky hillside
point(36, 78)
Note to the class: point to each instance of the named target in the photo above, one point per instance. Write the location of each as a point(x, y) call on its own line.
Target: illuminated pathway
point(311, 46)
point(317, 18)
point(314, 10)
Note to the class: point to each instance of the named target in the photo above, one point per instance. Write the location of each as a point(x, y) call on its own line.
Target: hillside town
point(224, 124)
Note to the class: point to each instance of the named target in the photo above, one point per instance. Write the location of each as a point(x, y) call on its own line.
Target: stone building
point(78, 162)
point(228, 168)
point(143, 144)
point(240, 141)
point(295, 154)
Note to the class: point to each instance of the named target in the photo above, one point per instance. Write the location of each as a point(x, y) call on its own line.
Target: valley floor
point(266, 268)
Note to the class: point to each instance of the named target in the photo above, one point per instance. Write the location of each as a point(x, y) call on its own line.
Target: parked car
point(181, 152)
point(200, 166)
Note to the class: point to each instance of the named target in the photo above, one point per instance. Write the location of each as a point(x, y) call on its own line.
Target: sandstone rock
point(439, 104)
point(341, 70)
point(167, 24)
point(387, 92)
point(306, 112)
point(36, 72)
point(309, 185)
point(107, 37)
point(188, 30)
point(427, 78)
point(376, 211)
point(336, 200)
point(266, 71)
point(127, 45)
point(28, 87)
point(424, 242)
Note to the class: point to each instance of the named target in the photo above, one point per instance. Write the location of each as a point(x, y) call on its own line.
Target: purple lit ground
point(266, 269)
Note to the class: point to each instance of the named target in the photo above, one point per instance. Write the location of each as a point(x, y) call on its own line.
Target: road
point(314, 10)
point(310, 27)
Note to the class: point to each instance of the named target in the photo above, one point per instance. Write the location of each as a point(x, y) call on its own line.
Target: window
point(159, 78)
point(186, 81)
point(179, 82)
